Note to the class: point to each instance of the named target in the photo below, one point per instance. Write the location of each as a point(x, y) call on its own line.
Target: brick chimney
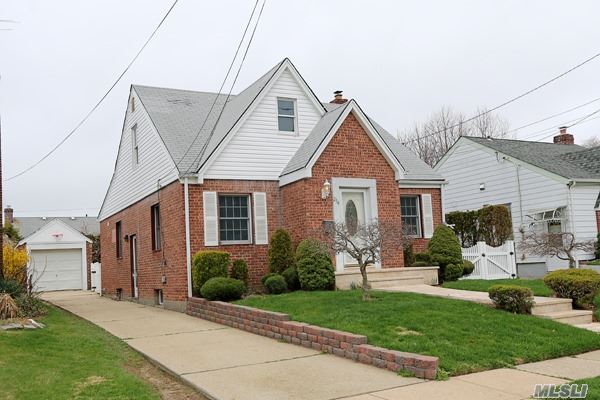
point(8, 215)
point(563, 137)
point(338, 98)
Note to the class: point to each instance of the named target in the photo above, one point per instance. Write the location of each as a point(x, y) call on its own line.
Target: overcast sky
point(401, 60)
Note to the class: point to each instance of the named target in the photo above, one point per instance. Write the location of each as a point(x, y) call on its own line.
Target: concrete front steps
point(560, 310)
point(382, 278)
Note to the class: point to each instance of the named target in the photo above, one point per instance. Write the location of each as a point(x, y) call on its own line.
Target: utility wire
point(205, 145)
point(220, 88)
point(100, 101)
point(506, 102)
point(554, 132)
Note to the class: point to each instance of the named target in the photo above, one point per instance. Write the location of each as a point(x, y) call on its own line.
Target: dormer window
point(286, 115)
point(134, 146)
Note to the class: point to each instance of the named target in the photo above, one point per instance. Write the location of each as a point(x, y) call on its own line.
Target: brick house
point(188, 179)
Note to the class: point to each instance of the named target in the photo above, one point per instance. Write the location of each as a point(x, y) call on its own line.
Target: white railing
point(491, 262)
point(96, 269)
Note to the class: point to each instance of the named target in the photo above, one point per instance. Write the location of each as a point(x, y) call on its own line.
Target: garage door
point(57, 269)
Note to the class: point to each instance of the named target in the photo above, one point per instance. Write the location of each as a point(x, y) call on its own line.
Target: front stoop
point(560, 310)
point(387, 277)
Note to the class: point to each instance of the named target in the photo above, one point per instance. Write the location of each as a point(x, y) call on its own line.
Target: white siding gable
point(469, 166)
point(258, 150)
point(583, 198)
point(131, 183)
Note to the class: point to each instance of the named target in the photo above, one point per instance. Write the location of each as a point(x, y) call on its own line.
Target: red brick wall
point(255, 255)
point(598, 220)
point(136, 220)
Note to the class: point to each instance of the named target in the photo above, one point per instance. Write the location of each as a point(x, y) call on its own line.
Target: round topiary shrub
point(581, 285)
point(276, 284)
point(453, 271)
point(208, 264)
point(281, 254)
point(291, 278)
point(239, 271)
point(314, 266)
point(468, 267)
point(223, 289)
point(516, 299)
point(267, 276)
point(444, 248)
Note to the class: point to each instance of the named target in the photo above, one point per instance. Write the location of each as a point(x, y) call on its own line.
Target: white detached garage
point(57, 257)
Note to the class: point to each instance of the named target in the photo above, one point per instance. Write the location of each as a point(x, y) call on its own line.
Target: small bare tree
point(560, 245)
point(362, 242)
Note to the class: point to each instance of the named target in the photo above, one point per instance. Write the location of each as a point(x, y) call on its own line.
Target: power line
point(220, 88)
point(205, 145)
point(554, 132)
point(101, 99)
point(584, 118)
point(506, 102)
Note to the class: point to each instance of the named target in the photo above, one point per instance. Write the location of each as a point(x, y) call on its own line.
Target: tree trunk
point(365, 282)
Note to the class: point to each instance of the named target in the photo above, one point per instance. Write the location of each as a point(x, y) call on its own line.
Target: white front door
point(354, 213)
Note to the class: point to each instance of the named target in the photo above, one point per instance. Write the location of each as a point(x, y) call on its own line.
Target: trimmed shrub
point(495, 225)
point(239, 271)
point(468, 267)
point(423, 257)
point(276, 284)
point(314, 266)
point(10, 287)
point(208, 264)
point(581, 285)
point(597, 252)
point(223, 289)
point(267, 276)
point(465, 226)
point(281, 254)
point(453, 271)
point(516, 299)
point(291, 278)
point(444, 248)
point(420, 264)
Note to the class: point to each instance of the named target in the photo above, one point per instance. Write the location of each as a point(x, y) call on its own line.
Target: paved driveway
point(226, 363)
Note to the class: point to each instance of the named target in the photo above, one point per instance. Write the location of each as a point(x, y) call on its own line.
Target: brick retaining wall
point(343, 344)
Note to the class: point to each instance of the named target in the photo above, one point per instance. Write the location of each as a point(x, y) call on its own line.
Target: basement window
point(286, 115)
point(159, 297)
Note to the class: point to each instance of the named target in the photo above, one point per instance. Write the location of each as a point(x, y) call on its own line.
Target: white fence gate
point(492, 262)
point(96, 278)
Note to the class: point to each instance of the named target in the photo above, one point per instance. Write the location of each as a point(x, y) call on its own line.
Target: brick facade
point(598, 220)
point(297, 207)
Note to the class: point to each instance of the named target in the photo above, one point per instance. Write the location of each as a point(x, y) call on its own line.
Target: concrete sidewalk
point(226, 364)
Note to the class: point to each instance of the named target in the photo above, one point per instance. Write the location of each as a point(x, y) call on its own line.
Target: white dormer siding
point(258, 150)
point(130, 182)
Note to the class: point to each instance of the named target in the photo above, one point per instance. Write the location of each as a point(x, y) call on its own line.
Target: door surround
point(134, 266)
point(337, 187)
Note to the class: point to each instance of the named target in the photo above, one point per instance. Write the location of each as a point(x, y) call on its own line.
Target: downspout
point(571, 185)
point(188, 253)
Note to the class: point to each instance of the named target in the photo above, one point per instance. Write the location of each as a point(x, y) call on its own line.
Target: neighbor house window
point(411, 215)
point(156, 235)
point(286, 115)
point(234, 218)
point(119, 234)
point(134, 145)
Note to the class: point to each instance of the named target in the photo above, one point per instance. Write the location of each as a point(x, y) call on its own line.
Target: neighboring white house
point(547, 187)
point(58, 257)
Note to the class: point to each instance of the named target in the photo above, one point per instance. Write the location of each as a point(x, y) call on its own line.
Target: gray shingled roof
point(569, 161)
point(179, 114)
point(29, 225)
point(414, 167)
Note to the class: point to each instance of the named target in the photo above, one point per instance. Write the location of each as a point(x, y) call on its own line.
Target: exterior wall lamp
point(326, 190)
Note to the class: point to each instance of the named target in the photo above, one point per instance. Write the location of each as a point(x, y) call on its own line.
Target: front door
point(134, 266)
point(354, 213)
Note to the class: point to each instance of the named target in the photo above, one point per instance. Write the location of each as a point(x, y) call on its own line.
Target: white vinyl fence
point(492, 262)
point(96, 278)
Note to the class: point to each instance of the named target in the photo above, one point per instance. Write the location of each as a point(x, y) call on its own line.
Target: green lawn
point(593, 387)
point(69, 359)
point(467, 337)
point(480, 285)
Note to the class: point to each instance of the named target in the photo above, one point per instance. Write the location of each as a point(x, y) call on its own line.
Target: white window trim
point(135, 147)
point(250, 221)
point(295, 116)
point(419, 234)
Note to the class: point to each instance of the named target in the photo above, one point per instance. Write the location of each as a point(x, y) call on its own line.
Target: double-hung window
point(134, 146)
point(119, 239)
point(234, 218)
point(156, 234)
point(411, 215)
point(286, 115)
